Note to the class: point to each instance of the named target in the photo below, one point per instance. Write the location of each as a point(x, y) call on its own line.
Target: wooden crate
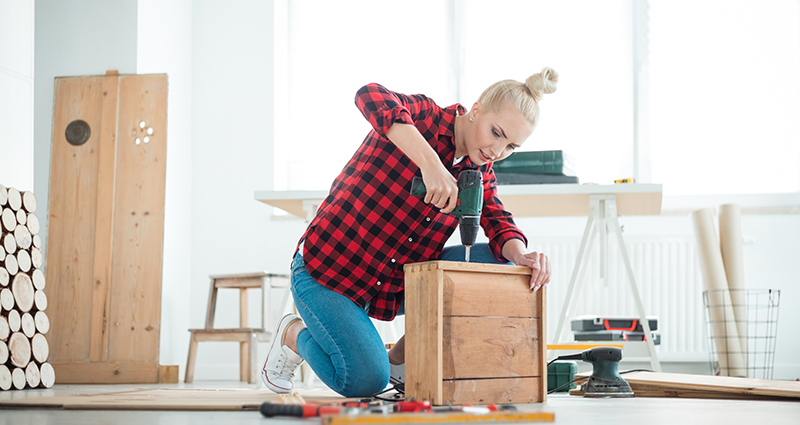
point(475, 333)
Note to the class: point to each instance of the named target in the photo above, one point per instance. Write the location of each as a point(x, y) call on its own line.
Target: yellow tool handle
point(430, 418)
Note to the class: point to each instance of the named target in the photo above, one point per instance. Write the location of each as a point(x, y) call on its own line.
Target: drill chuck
point(468, 225)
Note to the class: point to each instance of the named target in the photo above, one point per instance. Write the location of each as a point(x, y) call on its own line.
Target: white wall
point(86, 37)
point(164, 34)
point(16, 93)
point(232, 151)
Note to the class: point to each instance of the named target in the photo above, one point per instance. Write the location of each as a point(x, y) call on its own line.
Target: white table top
point(524, 200)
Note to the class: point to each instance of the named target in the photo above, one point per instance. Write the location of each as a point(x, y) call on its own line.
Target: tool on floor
point(361, 408)
point(468, 205)
point(605, 380)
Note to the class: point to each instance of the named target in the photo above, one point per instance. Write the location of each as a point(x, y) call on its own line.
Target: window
point(701, 96)
point(724, 96)
point(589, 43)
point(334, 49)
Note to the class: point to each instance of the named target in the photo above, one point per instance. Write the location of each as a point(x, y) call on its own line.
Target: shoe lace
point(286, 367)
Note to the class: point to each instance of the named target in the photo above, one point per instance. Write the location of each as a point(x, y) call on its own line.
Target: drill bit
point(466, 253)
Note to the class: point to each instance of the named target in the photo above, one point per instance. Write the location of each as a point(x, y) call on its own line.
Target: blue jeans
point(340, 343)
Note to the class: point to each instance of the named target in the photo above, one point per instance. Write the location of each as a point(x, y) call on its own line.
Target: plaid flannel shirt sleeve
point(383, 107)
point(497, 223)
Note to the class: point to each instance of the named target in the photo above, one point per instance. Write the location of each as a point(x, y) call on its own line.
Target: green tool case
point(559, 373)
point(536, 162)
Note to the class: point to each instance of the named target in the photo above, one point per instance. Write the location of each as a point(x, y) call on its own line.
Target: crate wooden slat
point(475, 333)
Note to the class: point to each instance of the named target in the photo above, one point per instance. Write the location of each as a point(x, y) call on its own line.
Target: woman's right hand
point(441, 189)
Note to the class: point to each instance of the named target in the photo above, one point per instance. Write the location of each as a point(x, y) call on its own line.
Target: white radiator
point(667, 275)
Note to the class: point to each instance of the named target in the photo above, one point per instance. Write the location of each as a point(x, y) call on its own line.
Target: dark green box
point(536, 162)
point(559, 373)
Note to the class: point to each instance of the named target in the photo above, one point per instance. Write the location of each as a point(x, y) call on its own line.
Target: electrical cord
point(400, 388)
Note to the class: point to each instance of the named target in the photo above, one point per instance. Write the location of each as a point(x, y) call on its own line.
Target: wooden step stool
point(246, 336)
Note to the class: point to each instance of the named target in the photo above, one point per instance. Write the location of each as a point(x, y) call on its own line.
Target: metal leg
point(645, 323)
point(582, 255)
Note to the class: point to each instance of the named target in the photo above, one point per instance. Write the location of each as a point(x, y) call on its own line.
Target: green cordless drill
point(468, 206)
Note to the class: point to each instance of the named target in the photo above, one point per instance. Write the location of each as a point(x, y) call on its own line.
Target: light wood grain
point(6, 299)
point(5, 378)
point(8, 220)
point(37, 259)
point(14, 321)
point(18, 378)
point(33, 225)
point(42, 322)
point(39, 348)
point(32, 376)
point(48, 375)
point(10, 263)
point(19, 348)
point(3, 195)
point(117, 372)
point(107, 203)
point(486, 391)
point(490, 347)
point(716, 383)
point(24, 261)
point(4, 330)
point(40, 300)
point(29, 202)
point(541, 306)
point(5, 278)
point(168, 374)
point(424, 307)
point(23, 237)
point(38, 279)
point(28, 325)
point(22, 288)
point(22, 217)
point(494, 294)
point(14, 199)
point(3, 352)
point(71, 218)
point(104, 219)
point(139, 217)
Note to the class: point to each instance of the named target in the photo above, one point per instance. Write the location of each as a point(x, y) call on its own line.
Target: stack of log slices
point(23, 322)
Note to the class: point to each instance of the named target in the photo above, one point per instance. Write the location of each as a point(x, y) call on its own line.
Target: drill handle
point(417, 187)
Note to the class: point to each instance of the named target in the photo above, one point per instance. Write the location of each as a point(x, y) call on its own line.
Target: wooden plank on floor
point(169, 399)
point(722, 386)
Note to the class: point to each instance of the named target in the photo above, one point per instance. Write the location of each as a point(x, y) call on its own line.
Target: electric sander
point(605, 380)
point(468, 205)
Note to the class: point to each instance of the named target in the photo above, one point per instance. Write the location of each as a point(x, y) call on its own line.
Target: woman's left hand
point(540, 268)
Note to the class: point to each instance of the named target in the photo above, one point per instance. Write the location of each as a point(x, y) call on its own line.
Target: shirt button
point(393, 260)
point(379, 283)
point(411, 239)
point(427, 219)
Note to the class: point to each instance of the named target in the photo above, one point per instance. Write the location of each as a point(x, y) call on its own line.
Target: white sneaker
point(282, 362)
point(397, 374)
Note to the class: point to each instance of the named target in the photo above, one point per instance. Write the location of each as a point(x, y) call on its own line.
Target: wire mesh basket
point(742, 330)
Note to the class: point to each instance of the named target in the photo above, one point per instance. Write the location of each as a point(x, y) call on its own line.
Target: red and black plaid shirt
point(369, 225)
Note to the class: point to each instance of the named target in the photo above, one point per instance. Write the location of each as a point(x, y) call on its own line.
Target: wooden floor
point(567, 410)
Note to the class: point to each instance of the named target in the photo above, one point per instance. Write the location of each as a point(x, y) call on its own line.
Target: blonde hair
point(525, 96)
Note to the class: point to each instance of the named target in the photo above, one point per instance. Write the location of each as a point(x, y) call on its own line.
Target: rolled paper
point(721, 318)
point(730, 243)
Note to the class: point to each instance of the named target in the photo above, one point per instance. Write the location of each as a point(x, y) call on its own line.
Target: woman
point(348, 266)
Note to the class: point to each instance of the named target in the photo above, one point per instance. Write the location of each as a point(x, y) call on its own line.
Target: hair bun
point(542, 83)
